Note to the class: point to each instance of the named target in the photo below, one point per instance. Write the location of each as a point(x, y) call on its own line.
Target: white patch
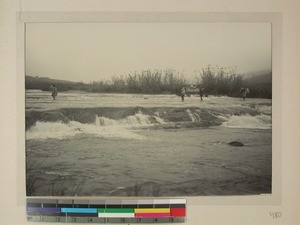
point(248, 121)
point(102, 127)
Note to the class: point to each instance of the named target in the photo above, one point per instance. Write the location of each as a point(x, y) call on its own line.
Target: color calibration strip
point(106, 211)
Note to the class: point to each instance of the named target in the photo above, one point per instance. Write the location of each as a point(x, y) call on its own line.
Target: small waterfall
point(194, 116)
point(103, 121)
point(102, 126)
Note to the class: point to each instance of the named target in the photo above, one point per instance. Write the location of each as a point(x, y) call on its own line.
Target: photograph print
point(148, 109)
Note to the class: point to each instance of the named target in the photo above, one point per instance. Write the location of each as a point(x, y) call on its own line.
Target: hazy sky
point(95, 51)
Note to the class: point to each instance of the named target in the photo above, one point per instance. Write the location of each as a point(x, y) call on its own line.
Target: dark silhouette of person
point(182, 94)
point(244, 92)
point(54, 91)
point(201, 93)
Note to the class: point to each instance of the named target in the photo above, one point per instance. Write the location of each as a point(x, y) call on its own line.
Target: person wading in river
point(201, 93)
point(53, 88)
point(182, 94)
point(244, 92)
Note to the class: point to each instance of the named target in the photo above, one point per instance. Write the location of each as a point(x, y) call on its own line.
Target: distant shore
point(215, 81)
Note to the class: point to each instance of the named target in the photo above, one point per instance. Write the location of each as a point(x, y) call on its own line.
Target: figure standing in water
point(53, 88)
point(182, 94)
point(244, 92)
point(201, 93)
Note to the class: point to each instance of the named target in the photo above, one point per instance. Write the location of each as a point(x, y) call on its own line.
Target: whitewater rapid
point(122, 115)
point(126, 128)
point(88, 144)
point(102, 127)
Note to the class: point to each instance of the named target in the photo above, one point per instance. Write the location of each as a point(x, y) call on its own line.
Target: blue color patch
point(79, 210)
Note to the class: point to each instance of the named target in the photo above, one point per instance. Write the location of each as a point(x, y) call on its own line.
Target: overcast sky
point(96, 51)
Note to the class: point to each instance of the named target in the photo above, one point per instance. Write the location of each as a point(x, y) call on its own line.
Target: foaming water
point(102, 127)
point(86, 144)
point(193, 116)
point(59, 130)
point(248, 121)
point(266, 109)
point(137, 119)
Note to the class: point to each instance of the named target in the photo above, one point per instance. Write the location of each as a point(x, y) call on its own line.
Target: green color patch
point(115, 210)
point(101, 210)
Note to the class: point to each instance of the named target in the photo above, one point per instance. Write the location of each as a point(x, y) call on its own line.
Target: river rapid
point(92, 144)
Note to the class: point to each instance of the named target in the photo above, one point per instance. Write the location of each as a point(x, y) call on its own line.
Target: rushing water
point(146, 145)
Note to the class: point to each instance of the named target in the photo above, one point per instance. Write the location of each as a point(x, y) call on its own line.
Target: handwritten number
point(276, 215)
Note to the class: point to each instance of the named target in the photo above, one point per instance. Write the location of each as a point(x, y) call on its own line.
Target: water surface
point(146, 145)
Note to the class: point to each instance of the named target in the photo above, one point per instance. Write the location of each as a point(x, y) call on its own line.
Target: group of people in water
point(243, 92)
point(183, 93)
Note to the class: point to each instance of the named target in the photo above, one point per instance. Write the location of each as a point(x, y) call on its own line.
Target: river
point(94, 144)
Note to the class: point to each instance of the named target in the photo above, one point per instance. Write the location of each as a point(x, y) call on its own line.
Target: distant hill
point(259, 78)
point(44, 83)
point(260, 85)
point(47, 79)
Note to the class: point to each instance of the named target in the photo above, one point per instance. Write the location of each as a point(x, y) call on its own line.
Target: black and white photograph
point(148, 109)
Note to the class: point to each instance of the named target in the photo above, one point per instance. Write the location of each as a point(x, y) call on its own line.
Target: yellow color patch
point(152, 210)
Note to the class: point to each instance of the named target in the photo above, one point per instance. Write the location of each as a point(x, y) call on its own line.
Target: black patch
point(236, 143)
